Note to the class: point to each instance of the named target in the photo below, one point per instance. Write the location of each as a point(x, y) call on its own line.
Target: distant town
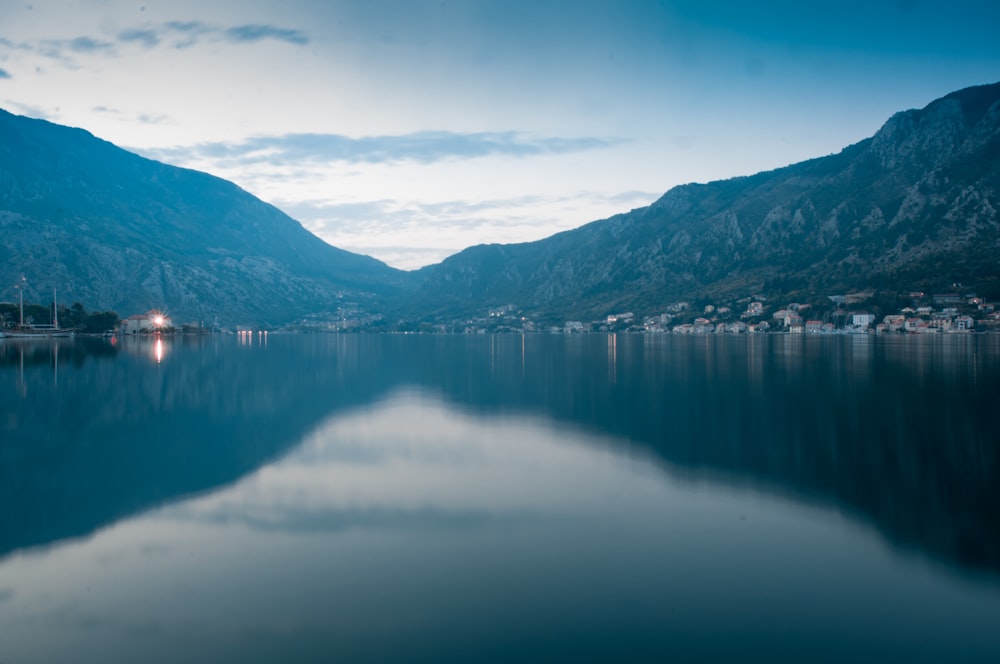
point(922, 313)
point(942, 313)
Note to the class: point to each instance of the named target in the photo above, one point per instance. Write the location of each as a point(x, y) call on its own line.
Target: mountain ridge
point(911, 207)
point(119, 231)
point(895, 207)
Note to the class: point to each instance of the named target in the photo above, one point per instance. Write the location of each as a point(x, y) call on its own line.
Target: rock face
point(116, 231)
point(914, 206)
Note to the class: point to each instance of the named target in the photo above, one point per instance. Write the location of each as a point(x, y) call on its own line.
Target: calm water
point(508, 499)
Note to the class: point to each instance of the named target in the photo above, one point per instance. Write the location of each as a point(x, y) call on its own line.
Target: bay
point(408, 498)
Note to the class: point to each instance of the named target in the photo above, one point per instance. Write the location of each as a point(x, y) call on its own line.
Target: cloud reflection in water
point(410, 460)
point(409, 531)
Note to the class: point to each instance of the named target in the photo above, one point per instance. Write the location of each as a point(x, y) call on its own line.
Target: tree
point(72, 316)
point(100, 321)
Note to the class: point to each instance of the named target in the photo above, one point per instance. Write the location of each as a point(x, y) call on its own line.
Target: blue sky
point(408, 130)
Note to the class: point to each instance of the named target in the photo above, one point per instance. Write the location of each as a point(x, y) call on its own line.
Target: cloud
point(457, 214)
point(331, 519)
point(252, 33)
point(403, 257)
point(190, 32)
point(186, 26)
point(422, 147)
point(432, 230)
point(145, 118)
point(184, 34)
point(64, 49)
point(630, 197)
point(28, 110)
point(148, 38)
point(5, 74)
point(14, 46)
point(88, 45)
point(176, 34)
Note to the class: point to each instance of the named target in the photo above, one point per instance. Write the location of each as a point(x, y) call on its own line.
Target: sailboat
point(28, 331)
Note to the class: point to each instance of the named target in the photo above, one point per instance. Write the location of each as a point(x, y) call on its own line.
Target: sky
point(408, 130)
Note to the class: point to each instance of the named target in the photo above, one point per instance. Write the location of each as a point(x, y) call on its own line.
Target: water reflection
point(409, 530)
point(252, 338)
point(19, 355)
point(411, 462)
point(896, 433)
point(115, 437)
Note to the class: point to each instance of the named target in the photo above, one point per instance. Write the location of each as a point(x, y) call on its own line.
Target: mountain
point(116, 231)
point(913, 207)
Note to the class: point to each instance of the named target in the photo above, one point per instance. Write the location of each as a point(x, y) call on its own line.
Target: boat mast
point(55, 309)
point(20, 290)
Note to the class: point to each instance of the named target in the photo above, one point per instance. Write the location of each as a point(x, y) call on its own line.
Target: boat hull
point(36, 334)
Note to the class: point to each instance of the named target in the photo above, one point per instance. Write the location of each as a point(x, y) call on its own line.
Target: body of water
point(616, 498)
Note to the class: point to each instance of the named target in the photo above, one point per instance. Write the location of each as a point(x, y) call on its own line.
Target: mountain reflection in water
point(536, 461)
point(897, 431)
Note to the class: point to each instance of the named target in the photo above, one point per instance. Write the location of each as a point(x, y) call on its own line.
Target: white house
point(862, 320)
point(964, 323)
point(151, 321)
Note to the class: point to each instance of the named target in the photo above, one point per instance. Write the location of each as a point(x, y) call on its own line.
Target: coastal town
point(942, 313)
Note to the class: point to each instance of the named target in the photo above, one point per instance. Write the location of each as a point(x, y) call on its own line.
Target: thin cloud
point(190, 32)
point(467, 215)
point(391, 217)
point(253, 33)
point(186, 26)
point(409, 234)
point(175, 34)
point(28, 111)
point(88, 45)
point(330, 519)
point(5, 74)
point(631, 197)
point(145, 118)
point(184, 34)
point(453, 215)
point(421, 147)
point(147, 38)
point(14, 46)
point(63, 50)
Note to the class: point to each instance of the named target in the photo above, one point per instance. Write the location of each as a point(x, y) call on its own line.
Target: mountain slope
point(117, 231)
point(916, 204)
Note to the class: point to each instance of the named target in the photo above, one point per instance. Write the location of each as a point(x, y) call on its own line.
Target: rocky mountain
point(116, 231)
point(915, 206)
